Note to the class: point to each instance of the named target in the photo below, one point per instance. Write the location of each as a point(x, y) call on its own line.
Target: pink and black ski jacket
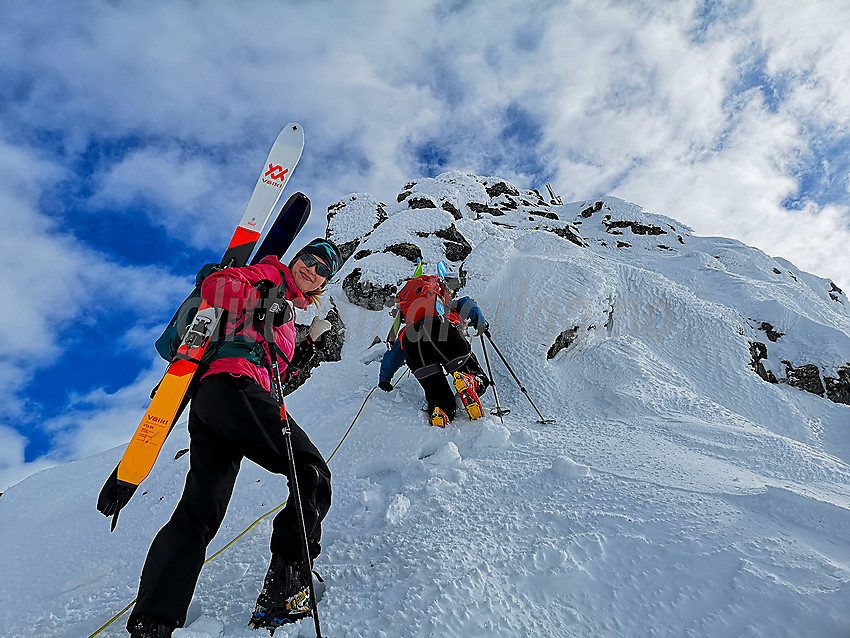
point(233, 289)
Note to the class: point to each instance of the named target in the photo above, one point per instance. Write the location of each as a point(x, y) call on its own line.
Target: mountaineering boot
point(285, 597)
point(481, 384)
point(147, 627)
point(466, 386)
point(438, 417)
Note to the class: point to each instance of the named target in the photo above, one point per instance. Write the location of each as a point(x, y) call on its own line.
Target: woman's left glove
point(318, 328)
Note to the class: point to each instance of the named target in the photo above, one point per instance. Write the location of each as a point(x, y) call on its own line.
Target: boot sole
point(260, 621)
point(293, 611)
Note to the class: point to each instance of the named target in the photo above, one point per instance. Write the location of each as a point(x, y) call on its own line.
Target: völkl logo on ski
point(275, 172)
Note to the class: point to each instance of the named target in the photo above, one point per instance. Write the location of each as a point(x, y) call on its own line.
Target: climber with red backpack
point(432, 343)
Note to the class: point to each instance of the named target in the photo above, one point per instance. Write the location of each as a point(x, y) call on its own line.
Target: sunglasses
point(322, 269)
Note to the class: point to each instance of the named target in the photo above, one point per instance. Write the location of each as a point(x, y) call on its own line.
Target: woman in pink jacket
point(234, 416)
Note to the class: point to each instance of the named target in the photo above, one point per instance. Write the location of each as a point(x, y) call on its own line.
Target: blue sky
point(131, 136)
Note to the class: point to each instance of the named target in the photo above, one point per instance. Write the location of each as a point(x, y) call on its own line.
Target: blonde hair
point(315, 296)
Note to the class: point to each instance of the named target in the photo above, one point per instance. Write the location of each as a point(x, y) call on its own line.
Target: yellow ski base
point(144, 447)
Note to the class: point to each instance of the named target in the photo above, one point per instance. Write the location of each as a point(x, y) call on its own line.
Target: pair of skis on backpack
point(197, 322)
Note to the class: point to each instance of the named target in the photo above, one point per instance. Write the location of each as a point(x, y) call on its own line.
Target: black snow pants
point(431, 346)
point(231, 417)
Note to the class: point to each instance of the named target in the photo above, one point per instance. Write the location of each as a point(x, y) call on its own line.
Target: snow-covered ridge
point(796, 324)
point(677, 494)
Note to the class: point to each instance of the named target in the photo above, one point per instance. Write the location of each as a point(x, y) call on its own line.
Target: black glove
point(301, 356)
point(386, 386)
point(264, 286)
point(274, 308)
point(113, 496)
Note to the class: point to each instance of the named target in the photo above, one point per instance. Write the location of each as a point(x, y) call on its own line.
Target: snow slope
point(677, 494)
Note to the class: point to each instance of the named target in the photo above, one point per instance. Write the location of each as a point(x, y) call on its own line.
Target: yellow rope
point(252, 525)
point(114, 618)
point(541, 221)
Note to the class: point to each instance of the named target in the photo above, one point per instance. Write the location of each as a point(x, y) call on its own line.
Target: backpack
point(170, 339)
point(422, 298)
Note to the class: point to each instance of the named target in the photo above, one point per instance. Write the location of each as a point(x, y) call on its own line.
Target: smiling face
point(305, 277)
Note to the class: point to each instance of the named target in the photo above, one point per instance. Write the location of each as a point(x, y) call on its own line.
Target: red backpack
point(423, 297)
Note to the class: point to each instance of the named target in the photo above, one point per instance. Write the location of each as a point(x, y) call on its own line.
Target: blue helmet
point(325, 250)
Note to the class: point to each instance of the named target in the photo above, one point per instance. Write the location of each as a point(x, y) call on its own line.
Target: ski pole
point(499, 410)
point(521, 387)
point(296, 493)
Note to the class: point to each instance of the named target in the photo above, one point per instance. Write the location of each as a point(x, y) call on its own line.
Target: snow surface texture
point(678, 493)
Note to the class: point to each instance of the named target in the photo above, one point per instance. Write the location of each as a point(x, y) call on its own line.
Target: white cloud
point(13, 468)
point(52, 281)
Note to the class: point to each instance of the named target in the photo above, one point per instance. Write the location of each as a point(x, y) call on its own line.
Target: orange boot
point(466, 387)
point(439, 418)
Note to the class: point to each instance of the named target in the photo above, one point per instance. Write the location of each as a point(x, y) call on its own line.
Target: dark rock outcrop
point(409, 251)
point(483, 209)
point(457, 246)
point(501, 188)
point(545, 214)
point(567, 233)
point(587, 212)
point(508, 204)
point(838, 388)
point(769, 331)
point(451, 208)
point(329, 348)
point(347, 249)
point(367, 295)
point(421, 202)
point(806, 377)
point(562, 341)
point(636, 227)
point(758, 351)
